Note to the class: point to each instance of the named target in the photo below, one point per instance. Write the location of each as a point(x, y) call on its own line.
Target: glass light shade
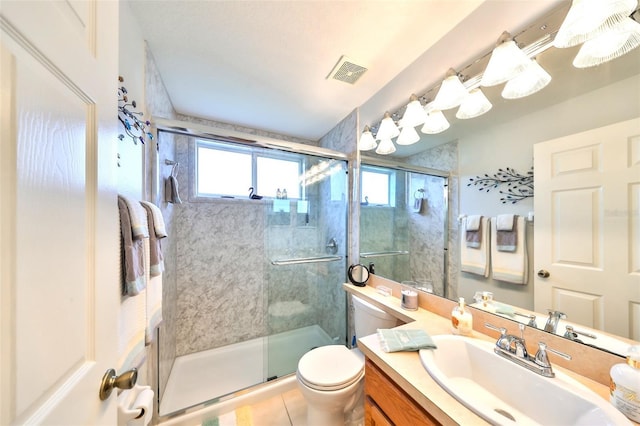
point(533, 79)
point(385, 147)
point(507, 60)
point(588, 18)
point(413, 114)
point(435, 122)
point(387, 129)
point(474, 105)
point(609, 45)
point(367, 141)
point(408, 136)
point(451, 94)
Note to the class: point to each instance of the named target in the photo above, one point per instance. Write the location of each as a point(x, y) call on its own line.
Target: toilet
point(331, 377)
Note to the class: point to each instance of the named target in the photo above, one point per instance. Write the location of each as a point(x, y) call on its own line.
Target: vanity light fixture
point(367, 141)
point(452, 92)
point(387, 129)
point(385, 147)
point(533, 79)
point(474, 105)
point(408, 136)
point(589, 18)
point(413, 113)
point(606, 46)
point(435, 121)
point(507, 61)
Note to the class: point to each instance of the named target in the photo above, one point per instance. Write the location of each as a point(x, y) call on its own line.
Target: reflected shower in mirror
point(403, 223)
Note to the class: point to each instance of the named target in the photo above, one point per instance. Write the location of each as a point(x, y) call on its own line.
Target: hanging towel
point(131, 332)
point(475, 259)
point(417, 205)
point(132, 251)
point(156, 259)
point(506, 234)
point(473, 231)
point(138, 218)
point(171, 193)
point(510, 266)
point(158, 220)
point(404, 340)
point(154, 307)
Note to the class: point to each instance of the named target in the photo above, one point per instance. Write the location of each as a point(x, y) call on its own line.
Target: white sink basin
point(504, 393)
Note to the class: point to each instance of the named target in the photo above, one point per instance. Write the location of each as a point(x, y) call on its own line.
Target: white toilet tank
point(368, 318)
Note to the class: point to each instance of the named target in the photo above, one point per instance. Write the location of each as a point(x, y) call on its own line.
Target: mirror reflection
point(593, 279)
point(403, 223)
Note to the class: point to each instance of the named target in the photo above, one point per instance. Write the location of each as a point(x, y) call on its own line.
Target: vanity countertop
point(407, 371)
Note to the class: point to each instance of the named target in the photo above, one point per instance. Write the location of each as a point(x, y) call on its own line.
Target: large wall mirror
point(571, 123)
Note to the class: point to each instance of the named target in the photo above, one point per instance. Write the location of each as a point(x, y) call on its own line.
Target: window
point(226, 170)
point(378, 186)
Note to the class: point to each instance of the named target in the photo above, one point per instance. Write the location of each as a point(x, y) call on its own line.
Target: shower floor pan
point(208, 375)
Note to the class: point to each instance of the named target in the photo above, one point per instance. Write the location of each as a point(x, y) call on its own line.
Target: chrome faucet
point(552, 321)
point(514, 348)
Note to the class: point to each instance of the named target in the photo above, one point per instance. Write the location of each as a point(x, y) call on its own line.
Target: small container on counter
point(409, 295)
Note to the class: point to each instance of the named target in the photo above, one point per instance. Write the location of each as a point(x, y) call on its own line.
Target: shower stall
point(258, 274)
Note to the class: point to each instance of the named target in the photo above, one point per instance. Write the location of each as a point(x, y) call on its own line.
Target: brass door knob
point(543, 273)
point(126, 380)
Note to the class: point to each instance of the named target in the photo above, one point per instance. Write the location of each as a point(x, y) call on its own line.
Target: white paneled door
point(58, 217)
point(587, 228)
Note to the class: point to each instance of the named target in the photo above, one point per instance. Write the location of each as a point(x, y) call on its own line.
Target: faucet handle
point(558, 314)
point(541, 357)
point(502, 330)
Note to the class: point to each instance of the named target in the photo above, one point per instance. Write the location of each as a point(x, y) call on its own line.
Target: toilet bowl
point(330, 378)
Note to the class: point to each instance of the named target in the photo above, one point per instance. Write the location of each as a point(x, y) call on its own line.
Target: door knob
point(543, 273)
point(125, 380)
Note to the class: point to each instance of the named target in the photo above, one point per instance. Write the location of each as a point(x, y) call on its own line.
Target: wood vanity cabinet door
point(387, 404)
point(373, 415)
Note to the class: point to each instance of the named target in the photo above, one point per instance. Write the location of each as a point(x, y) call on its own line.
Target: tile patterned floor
point(286, 409)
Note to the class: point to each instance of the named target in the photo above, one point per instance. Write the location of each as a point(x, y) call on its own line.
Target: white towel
point(504, 222)
point(510, 266)
point(138, 217)
point(475, 259)
point(158, 220)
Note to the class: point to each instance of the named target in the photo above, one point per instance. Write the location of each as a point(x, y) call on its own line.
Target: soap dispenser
point(625, 385)
point(461, 319)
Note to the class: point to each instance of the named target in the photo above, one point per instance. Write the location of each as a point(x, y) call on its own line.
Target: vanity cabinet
point(386, 404)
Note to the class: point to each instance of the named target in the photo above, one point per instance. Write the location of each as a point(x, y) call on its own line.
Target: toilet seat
point(330, 368)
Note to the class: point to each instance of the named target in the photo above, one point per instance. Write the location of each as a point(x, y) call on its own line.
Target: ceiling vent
point(346, 70)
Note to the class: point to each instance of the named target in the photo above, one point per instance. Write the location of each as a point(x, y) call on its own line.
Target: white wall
point(511, 144)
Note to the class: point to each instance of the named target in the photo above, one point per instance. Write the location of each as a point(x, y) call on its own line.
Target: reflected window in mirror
point(378, 186)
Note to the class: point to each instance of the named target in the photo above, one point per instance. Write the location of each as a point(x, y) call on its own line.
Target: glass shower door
point(305, 241)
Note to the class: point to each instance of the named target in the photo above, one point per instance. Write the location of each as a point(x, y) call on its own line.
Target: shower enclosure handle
point(299, 260)
point(383, 253)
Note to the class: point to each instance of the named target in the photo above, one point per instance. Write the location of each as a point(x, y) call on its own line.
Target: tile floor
point(286, 409)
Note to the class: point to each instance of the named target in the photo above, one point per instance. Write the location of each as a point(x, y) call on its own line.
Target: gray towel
point(156, 259)
point(171, 193)
point(507, 237)
point(473, 231)
point(132, 254)
point(404, 340)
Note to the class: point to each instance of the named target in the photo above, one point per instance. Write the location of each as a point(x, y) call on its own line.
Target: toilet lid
point(330, 368)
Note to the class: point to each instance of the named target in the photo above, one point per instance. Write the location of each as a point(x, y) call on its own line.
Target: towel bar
point(383, 253)
point(299, 260)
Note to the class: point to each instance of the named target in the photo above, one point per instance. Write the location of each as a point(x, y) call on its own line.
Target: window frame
point(255, 153)
point(391, 182)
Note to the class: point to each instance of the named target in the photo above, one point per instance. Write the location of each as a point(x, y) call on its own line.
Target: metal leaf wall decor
point(134, 127)
point(518, 187)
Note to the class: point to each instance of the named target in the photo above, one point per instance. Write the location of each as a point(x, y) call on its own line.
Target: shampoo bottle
point(461, 320)
point(625, 385)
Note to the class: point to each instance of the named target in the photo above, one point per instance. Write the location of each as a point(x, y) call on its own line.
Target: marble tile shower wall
point(158, 104)
point(445, 157)
point(426, 233)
